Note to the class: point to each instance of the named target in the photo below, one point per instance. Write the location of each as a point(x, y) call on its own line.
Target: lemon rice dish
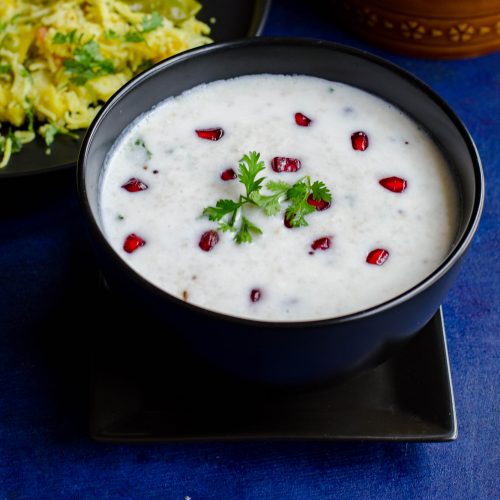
point(61, 59)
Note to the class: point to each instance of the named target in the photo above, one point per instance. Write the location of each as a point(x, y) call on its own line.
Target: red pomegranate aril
point(359, 141)
point(377, 257)
point(134, 185)
point(132, 243)
point(210, 134)
point(322, 243)
point(287, 222)
point(228, 175)
point(302, 120)
point(281, 164)
point(208, 240)
point(394, 184)
point(255, 295)
point(318, 204)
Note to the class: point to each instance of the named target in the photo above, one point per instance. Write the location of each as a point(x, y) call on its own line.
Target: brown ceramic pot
point(428, 28)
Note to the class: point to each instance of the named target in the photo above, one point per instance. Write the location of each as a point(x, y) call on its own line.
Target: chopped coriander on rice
point(61, 59)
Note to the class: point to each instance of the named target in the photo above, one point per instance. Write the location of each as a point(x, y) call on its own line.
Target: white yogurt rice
point(182, 172)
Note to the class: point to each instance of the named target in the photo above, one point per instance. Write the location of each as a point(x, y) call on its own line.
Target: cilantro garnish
point(5, 68)
point(30, 115)
point(60, 38)
point(134, 37)
point(88, 63)
point(111, 35)
point(298, 195)
point(140, 142)
point(16, 143)
point(50, 130)
point(149, 23)
point(229, 213)
point(26, 74)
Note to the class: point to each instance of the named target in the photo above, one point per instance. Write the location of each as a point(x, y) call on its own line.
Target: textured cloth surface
point(45, 265)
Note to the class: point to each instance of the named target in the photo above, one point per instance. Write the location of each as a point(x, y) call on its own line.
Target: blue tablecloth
point(44, 448)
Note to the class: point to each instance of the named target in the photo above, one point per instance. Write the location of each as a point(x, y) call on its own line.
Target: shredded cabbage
point(61, 59)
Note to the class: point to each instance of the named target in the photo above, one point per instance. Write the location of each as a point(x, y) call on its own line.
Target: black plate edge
point(447, 435)
point(452, 433)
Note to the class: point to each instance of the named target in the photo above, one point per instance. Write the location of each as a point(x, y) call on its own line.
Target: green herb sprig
point(87, 63)
point(149, 23)
point(229, 214)
point(60, 38)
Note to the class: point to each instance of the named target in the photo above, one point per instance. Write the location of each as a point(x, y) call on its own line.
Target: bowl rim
point(455, 255)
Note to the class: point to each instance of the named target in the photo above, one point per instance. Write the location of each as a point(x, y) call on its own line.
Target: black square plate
point(146, 389)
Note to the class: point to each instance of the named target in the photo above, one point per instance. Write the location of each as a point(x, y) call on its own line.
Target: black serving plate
point(148, 386)
point(233, 19)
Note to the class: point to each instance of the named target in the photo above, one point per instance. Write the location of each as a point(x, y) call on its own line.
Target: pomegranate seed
point(359, 141)
point(318, 204)
point(208, 240)
point(302, 120)
point(287, 222)
point(210, 134)
point(133, 185)
point(394, 184)
point(281, 164)
point(132, 243)
point(377, 257)
point(255, 295)
point(322, 243)
point(228, 175)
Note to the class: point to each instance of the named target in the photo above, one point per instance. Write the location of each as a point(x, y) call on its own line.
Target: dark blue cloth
point(45, 269)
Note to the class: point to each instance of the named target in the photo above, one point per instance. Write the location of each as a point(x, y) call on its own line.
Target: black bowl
point(288, 352)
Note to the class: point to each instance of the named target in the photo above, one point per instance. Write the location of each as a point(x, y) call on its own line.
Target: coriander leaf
point(87, 63)
point(16, 145)
point(5, 24)
point(140, 142)
point(133, 37)
point(177, 11)
point(49, 133)
point(5, 68)
point(295, 215)
point(244, 233)
point(111, 35)
point(24, 72)
point(250, 166)
point(30, 114)
point(320, 191)
point(251, 226)
point(60, 38)
point(224, 226)
point(298, 192)
point(278, 186)
point(271, 204)
point(151, 22)
point(299, 207)
point(221, 209)
point(50, 130)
